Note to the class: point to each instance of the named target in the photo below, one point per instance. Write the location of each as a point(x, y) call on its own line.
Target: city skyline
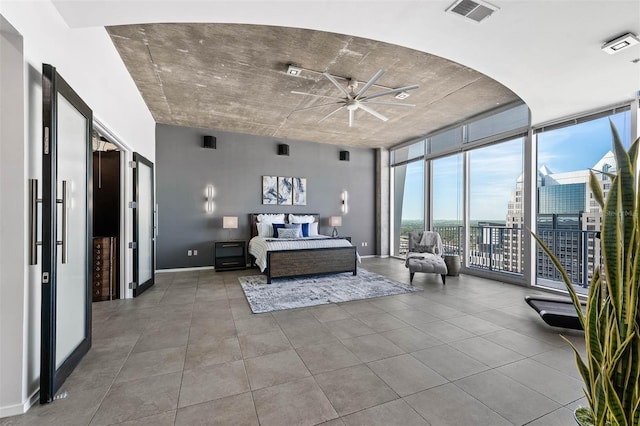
point(495, 169)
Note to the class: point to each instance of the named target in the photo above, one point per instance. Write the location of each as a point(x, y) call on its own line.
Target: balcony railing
point(500, 249)
point(496, 248)
point(578, 251)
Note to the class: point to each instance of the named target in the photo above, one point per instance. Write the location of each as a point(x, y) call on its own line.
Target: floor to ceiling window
point(468, 182)
point(447, 190)
point(495, 207)
point(568, 218)
point(408, 190)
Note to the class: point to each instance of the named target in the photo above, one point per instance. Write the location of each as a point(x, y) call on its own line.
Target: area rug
point(289, 293)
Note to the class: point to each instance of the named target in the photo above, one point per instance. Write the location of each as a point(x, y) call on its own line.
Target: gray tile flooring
point(190, 351)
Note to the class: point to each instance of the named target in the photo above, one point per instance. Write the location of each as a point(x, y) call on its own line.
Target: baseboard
point(199, 268)
point(17, 409)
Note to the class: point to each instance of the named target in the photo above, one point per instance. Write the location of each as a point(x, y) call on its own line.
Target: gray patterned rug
point(288, 293)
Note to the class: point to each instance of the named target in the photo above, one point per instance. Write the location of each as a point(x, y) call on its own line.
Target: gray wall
point(235, 169)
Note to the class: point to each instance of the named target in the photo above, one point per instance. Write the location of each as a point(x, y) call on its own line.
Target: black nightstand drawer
point(230, 255)
point(230, 262)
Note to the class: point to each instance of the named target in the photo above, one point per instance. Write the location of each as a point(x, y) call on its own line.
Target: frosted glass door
point(66, 232)
point(144, 225)
point(71, 261)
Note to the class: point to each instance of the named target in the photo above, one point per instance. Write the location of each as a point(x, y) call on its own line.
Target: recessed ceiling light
point(620, 43)
point(402, 95)
point(294, 71)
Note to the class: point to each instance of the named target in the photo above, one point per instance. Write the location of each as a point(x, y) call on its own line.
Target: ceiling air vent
point(474, 10)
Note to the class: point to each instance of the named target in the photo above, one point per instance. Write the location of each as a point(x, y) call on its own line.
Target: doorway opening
point(105, 249)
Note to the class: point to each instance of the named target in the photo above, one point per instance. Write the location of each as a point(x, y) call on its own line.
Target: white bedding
point(258, 246)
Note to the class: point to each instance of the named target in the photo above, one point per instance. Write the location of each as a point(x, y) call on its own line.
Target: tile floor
point(189, 351)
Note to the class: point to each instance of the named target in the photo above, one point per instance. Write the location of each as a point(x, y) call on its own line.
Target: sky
point(495, 169)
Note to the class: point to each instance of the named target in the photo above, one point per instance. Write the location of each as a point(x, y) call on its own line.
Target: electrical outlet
point(366, 244)
point(362, 244)
point(189, 252)
point(195, 252)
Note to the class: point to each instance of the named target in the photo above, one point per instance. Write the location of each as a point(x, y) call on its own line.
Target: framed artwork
point(269, 190)
point(299, 191)
point(285, 193)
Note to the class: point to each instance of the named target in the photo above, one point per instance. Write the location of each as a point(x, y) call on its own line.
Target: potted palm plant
point(611, 321)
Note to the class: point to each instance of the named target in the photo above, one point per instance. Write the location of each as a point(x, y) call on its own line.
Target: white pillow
point(271, 218)
point(313, 229)
point(288, 233)
point(301, 219)
point(265, 230)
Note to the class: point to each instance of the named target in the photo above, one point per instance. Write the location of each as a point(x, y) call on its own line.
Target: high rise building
point(568, 220)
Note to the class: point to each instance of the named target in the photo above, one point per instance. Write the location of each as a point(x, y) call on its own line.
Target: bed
point(279, 258)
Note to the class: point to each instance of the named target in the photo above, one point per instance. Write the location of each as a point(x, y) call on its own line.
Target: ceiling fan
point(353, 100)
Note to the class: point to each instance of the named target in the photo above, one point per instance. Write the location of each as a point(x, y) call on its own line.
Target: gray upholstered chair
point(426, 255)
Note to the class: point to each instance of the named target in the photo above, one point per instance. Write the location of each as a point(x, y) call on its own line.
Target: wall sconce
point(345, 202)
point(230, 222)
point(209, 199)
point(335, 221)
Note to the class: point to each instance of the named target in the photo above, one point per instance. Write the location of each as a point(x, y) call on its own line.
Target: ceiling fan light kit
point(353, 100)
point(294, 71)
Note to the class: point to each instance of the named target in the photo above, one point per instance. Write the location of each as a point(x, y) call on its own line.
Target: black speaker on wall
point(209, 142)
point(283, 149)
point(344, 155)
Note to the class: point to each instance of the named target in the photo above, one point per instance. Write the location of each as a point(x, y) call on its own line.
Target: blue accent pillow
point(276, 226)
point(305, 229)
point(296, 226)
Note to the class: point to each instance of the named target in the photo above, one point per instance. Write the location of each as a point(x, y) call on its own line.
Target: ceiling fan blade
point(330, 114)
point(372, 112)
point(335, 83)
point(312, 107)
point(370, 83)
point(314, 95)
point(352, 116)
point(388, 103)
point(392, 91)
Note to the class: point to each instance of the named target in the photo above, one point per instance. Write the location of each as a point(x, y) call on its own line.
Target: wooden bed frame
point(296, 263)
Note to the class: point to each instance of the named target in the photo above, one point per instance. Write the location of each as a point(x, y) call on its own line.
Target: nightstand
point(229, 255)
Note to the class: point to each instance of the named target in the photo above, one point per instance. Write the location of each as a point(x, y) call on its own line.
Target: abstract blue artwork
point(269, 190)
point(285, 193)
point(299, 191)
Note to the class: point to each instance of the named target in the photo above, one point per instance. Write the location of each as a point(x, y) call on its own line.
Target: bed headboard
point(253, 219)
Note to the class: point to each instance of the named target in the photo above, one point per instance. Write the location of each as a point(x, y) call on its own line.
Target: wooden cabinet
point(230, 255)
point(103, 269)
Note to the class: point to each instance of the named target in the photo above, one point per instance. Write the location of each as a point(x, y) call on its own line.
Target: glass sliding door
point(447, 201)
point(143, 225)
point(66, 231)
point(568, 218)
point(496, 213)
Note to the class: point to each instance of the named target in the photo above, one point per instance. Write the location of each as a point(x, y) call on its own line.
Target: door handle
point(65, 229)
point(33, 221)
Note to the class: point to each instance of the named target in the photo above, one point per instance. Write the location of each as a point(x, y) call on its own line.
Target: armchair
point(426, 255)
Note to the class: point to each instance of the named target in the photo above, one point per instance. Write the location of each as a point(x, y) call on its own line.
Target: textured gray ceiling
point(233, 78)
